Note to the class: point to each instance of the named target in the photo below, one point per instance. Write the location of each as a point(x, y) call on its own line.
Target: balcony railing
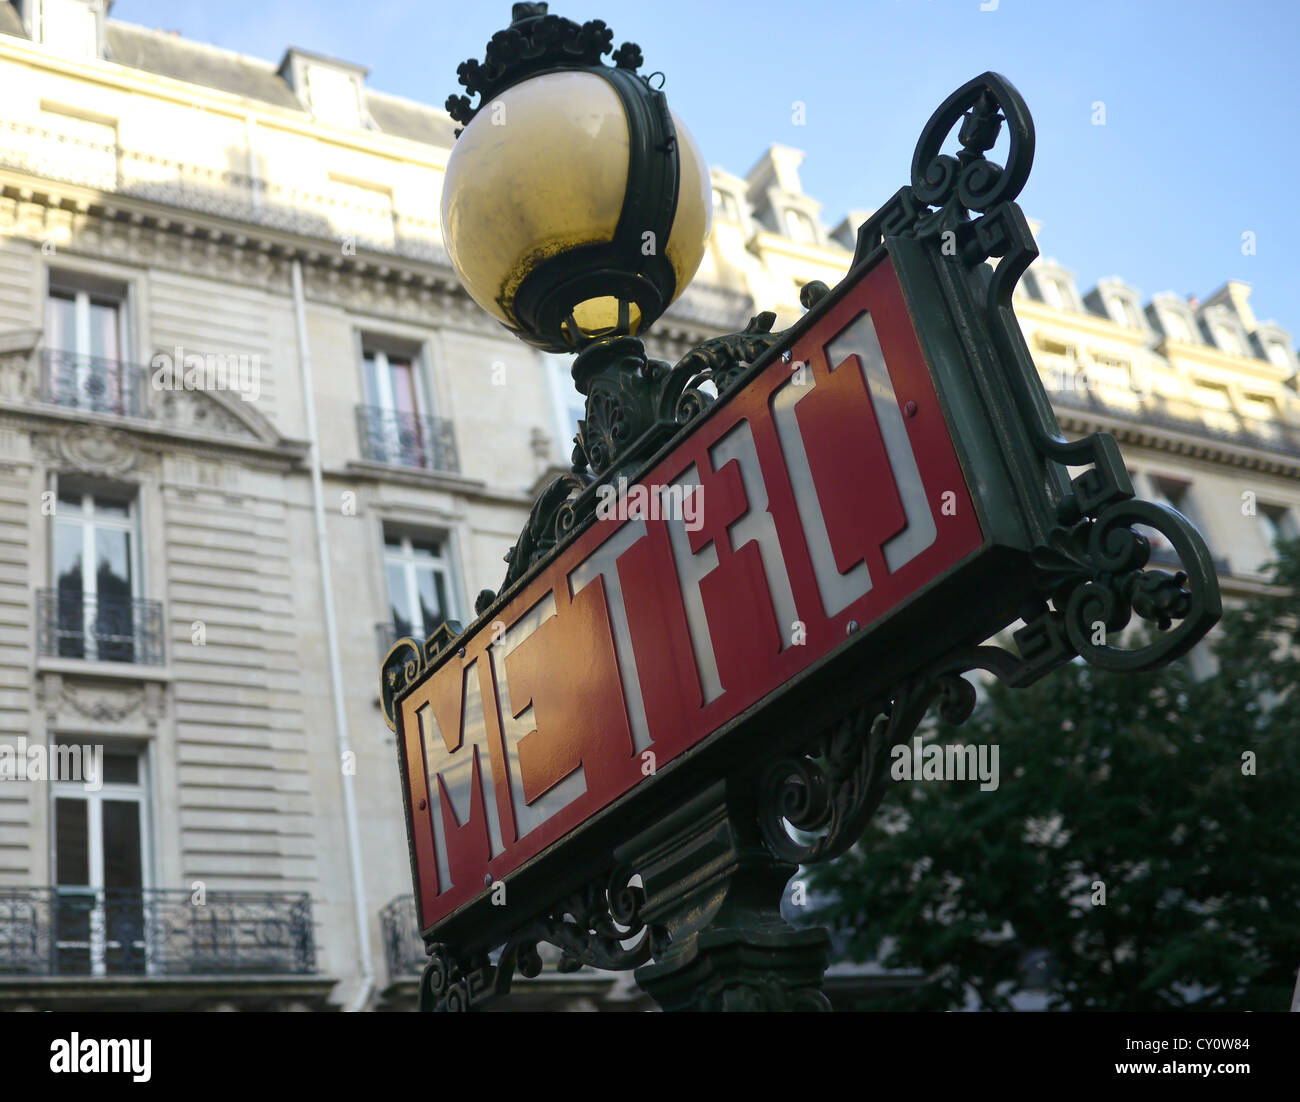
point(103, 629)
point(403, 946)
point(407, 439)
point(1186, 416)
point(93, 383)
point(108, 167)
point(151, 932)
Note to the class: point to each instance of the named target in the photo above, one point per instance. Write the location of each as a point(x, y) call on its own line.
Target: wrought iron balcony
point(93, 383)
point(403, 946)
point(151, 932)
point(147, 175)
point(407, 439)
point(104, 629)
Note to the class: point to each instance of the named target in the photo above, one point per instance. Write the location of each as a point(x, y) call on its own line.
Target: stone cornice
point(1159, 438)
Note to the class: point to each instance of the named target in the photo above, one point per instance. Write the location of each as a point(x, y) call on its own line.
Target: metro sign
point(823, 495)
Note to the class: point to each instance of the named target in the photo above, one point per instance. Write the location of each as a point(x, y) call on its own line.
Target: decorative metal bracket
point(710, 871)
point(591, 927)
point(634, 406)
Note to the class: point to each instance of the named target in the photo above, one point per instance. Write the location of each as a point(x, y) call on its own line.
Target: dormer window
point(724, 203)
point(1124, 312)
point(799, 227)
point(70, 27)
point(1278, 354)
point(1225, 339)
point(331, 90)
point(1176, 327)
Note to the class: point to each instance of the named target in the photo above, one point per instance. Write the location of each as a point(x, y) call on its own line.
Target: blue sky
point(1201, 141)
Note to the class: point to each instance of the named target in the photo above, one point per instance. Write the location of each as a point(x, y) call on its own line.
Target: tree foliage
point(1144, 784)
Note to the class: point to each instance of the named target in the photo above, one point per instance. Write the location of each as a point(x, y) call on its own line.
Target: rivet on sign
point(785, 356)
point(851, 627)
point(487, 880)
point(910, 409)
point(424, 804)
point(460, 653)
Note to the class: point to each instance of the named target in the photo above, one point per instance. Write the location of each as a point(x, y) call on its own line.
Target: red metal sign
point(818, 498)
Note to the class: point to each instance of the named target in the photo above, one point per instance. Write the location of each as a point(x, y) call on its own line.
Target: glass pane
point(61, 322)
point(425, 549)
point(105, 338)
point(121, 768)
point(122, 866)
point(403, 381)
point(69, 501)
point(112, 507)
point(71, 842)
point(390, 540)
point(114, 614)
point(123, 902)
point(398, 600)
point(69, 580)
point(112, 564)
point(372, 379)
point(433, 597)
point(68, 546)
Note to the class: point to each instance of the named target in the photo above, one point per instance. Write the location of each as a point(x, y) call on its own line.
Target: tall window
point(95, 575)
point(419, 583)
point(100, 864)
point(1176, 327)
point(85, 341)
point(568, 406)
point(397, 423)
point(1279, 524)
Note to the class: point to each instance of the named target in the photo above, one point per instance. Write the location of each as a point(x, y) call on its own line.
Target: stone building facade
point(251, 430)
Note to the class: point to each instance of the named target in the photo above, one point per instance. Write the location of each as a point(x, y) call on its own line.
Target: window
point(1177, 495)
point(799, 227)
point(96, 577)
point(1278, 354)
point(1225, 338)
point(1056, 292)
point(419, 583)
point(568, 406)
point(1176, 327)
point(725, 204)
point(100, 860)
point(85, 342)
point(396, 423)
point(363, 211)
point(1279, 524)
point(81, 147)
point(1125, 312)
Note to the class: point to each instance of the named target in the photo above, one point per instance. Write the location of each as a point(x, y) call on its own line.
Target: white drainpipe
point(332, 643)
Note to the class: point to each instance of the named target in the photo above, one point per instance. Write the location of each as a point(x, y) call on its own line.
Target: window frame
point(89, 522)
point(445, 564)
point(140, 793)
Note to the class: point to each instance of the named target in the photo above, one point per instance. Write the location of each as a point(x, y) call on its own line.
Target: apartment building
point(252, 430)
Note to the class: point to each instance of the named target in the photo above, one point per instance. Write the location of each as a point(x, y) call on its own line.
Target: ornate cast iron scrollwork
point(590, 927)
point(533, 43)
point(406, 661)
point(634, 405)
point(1090, 562)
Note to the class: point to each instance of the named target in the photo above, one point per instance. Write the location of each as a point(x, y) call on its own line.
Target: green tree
point(1180, 796)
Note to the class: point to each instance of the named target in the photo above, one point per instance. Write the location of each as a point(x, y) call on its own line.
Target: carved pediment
point(177, 404)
